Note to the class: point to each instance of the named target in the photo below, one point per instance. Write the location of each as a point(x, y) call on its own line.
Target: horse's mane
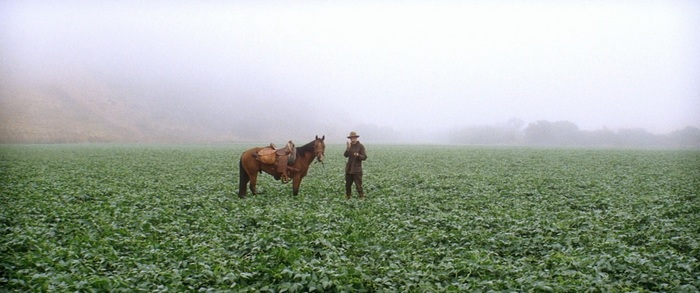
point(307, 148)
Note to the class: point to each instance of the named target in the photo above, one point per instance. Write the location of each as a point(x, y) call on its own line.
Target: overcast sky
point(406, 65)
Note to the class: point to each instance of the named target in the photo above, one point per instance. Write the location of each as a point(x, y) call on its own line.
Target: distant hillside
point(88, 110)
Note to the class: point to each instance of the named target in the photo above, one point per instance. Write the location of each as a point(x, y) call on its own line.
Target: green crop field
point(437, 218)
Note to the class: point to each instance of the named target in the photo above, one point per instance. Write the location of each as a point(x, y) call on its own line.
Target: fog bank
point(213, 71)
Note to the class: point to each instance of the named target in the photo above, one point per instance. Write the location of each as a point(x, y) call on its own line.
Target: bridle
point(319, 148)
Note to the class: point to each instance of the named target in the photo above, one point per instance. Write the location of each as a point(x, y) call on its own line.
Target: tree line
point(566, 133)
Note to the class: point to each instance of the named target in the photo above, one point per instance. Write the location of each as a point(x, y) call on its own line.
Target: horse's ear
point(316, 136)
point(324, 137)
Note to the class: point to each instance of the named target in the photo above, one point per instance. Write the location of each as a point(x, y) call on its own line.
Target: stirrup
point(285, 179)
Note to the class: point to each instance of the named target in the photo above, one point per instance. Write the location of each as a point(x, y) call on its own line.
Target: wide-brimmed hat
point(353, 134)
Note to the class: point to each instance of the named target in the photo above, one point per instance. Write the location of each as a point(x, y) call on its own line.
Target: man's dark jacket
point(354, 164)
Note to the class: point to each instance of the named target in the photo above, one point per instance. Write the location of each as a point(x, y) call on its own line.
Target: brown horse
point(249, 167)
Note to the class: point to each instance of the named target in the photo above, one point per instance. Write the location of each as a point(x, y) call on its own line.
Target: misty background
point(594, 73)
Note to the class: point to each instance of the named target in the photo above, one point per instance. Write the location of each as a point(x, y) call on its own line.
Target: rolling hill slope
point(89, 110)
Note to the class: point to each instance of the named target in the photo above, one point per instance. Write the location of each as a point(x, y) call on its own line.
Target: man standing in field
point(355, 152)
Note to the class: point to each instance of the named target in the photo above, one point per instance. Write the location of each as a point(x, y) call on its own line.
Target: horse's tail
point(243, 178)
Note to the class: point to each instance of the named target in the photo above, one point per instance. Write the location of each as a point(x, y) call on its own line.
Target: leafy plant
point(166, 218)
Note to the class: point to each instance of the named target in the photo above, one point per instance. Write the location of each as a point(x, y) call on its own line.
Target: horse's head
point(319, 148)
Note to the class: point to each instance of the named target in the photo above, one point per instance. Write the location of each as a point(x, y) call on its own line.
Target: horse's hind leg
point(242, 187)
point(243, 180)
point(253, 183)
point(242, 183)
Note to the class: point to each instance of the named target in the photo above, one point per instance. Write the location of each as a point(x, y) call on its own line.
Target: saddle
point(281, 157)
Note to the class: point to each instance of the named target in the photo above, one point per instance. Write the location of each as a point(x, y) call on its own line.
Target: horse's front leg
point(296, 182)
